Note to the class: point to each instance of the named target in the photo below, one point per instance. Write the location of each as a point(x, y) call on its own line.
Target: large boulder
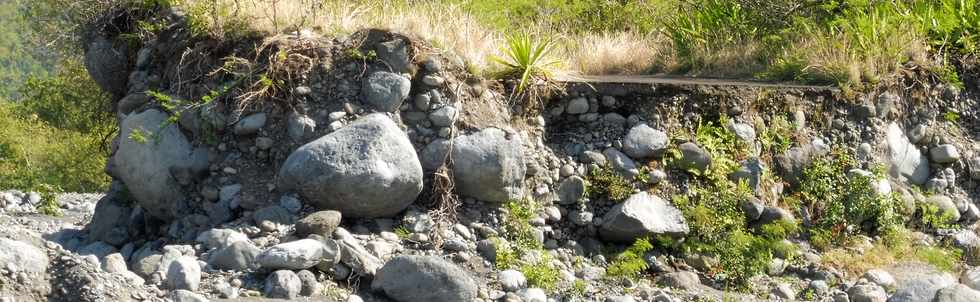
point(424, 278)
point(922, 289)
point(367, 169)
point(108, 65)
point(23, 256)
point(905, 160)
point(385, 90)
point(150, 151)
point(489, 166)
point(110, 221)
point(642, 142)
point(957, 293)
point(641, 215)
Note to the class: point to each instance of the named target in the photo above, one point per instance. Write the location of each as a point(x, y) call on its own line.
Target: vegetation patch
point(521, 251)
point(606, 182)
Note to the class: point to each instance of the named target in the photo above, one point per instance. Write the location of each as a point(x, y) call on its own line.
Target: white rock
point(512, 280)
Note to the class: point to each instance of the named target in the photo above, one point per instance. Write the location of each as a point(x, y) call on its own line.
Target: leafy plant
point(606, 182)
point(526, 59)
point(630, 263)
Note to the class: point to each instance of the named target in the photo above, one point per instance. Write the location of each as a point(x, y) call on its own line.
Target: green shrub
point(526, 59)
point(843, 204)
point(521, 251)
point(630, 263)
point(606, 182)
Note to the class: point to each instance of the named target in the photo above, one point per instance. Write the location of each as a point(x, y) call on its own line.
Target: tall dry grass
point(449, 29)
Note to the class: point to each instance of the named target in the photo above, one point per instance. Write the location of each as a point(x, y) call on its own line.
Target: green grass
point(527, 58)
point(606, 182)
point(521, 251)
point(630, 263)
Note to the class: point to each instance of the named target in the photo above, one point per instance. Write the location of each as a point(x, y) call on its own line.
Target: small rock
point(320, 223)
point(181, 295)
point(237, 256)
point(310, 286)
point(444, 116)
point(184, 273)
point(867, 292)
point(300, 127)
point(642, 214)
point(643, 142)
point(693, 157)
point(944, 154)
point(511, 280)
point(682, 280)
point(783, 291)
point(250, 124)
point(533, 295)
point(283, 284)
point(299, 254)
point(424, 278)
point(880, 277)
point(571, 190)
point(577, 106)
point(385, 91)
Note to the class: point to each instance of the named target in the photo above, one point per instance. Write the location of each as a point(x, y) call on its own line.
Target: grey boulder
point(693, 157)
point(299, 254)
point(321, 223)
point(24, 256)
point(283, 284)
point(922, 289)
point(905, 160)
point(424, 278)
point(184, 273)
point(385, 90)
point(108, 65)
point(944, 154)
point(237, 256)
point(957, 293)
point(489, 166)
point(146, 156)
point(642, 214)
point(867, 292)
point(643, 142)
point(366, 169)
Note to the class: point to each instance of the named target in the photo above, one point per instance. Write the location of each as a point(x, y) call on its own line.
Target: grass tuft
point(527, 59)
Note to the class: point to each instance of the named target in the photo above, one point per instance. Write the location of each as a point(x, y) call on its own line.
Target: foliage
point(69, 100)
point(843, 203)
point(630, 263)
point(932, 217)
point(900, 247)
point(717, 224)
point(777, 136)
point(606, 182)
point(35, 156)
point(522, 252)
point(527, 59)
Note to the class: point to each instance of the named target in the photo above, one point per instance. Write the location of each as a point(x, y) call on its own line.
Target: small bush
point(843, 204)
point(630, 263)
point(606, 182)
point(522, 252)
point(527, 59)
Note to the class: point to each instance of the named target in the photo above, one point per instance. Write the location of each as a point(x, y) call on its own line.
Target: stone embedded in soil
point(283, 284)
point(299, 254)
point(693, 157)
point(146, 155)
point(620, 162)
point(424, 278)
point(944, 154)
point(184, 273)
point(922, 289)
point(489, 166)
point(220, 238)
point(642, 142)
point(250, 124)
point(642, 214)
point(571, 190)
point(577, 106)
point(300, 127)
point(321, 223)
point(237, 256)
point(905, 160)
point(366, 169)
point(867, 292)
point(385, 91)
point(957, 293)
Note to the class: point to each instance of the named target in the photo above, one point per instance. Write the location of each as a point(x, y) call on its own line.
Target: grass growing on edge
point(522, 251)
point(527, 59)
